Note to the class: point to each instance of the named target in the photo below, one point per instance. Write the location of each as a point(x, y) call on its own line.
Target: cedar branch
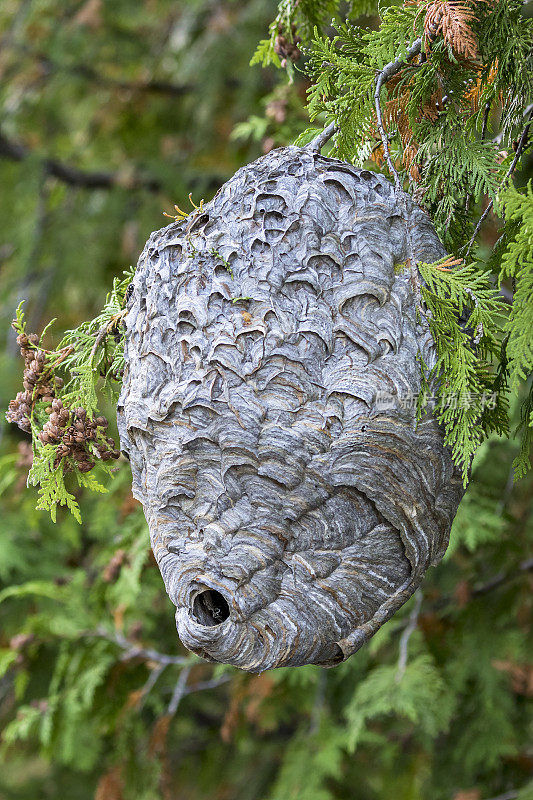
point(381, 79)
point(386, 73)
point(522, 144)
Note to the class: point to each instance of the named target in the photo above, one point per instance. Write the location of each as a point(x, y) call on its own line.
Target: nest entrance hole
point(210, 608)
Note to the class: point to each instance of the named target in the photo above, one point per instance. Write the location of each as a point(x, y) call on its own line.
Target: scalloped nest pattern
point(290, 512)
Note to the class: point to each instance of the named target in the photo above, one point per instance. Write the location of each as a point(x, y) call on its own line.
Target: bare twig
point(381, 79)
point(211, 684)
point(323, 138)
point(522, 144)
point(409, 624)
point(132, 651)
point(152, 678)
point(179, 691)
point(485, 119)
point(406, 635)
point(386, 73)
point(502, 578)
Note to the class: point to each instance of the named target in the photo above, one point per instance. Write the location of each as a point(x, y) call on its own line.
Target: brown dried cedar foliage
point(473, 96)
point(395, 113)
point(452, 21)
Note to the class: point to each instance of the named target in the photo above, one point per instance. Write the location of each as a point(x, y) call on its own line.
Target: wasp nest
point(291, 510)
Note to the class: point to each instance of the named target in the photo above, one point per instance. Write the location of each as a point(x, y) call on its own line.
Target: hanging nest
point(273, 350)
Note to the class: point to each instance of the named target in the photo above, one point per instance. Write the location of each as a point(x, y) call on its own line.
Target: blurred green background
point(111, 112)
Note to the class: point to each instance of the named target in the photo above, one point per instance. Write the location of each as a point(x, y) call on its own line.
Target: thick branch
point(17, 151)
point(323, 138)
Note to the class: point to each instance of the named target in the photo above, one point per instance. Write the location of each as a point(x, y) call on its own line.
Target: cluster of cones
point(287, 47)
point(72, 430)
point(38, 383)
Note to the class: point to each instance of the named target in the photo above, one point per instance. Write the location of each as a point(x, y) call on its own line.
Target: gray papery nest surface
point(273, 345)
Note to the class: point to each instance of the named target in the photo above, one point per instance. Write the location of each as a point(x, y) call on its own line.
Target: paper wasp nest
point(272, 347)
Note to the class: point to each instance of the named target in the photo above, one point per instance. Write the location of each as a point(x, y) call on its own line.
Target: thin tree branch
point(381, 79)
point(179, 691)
point(441, 602)
point(412, 622)
point(386, 73)
point(132, 651)
point(522, 144)
point(501, 578)
point(323, 138)
point(202, 685)
point(152, 679)
point(16, 151)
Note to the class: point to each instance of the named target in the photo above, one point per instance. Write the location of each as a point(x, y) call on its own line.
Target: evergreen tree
point(110, 113)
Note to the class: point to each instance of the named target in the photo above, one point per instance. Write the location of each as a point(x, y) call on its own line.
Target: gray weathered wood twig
point(410, 628)
point(392, 68)
point(388, 71)
point(132, 650)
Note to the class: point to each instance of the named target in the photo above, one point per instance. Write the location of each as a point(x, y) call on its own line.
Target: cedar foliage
point(98, 698)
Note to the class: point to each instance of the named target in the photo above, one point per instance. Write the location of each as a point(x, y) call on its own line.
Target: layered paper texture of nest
point(269, 411)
